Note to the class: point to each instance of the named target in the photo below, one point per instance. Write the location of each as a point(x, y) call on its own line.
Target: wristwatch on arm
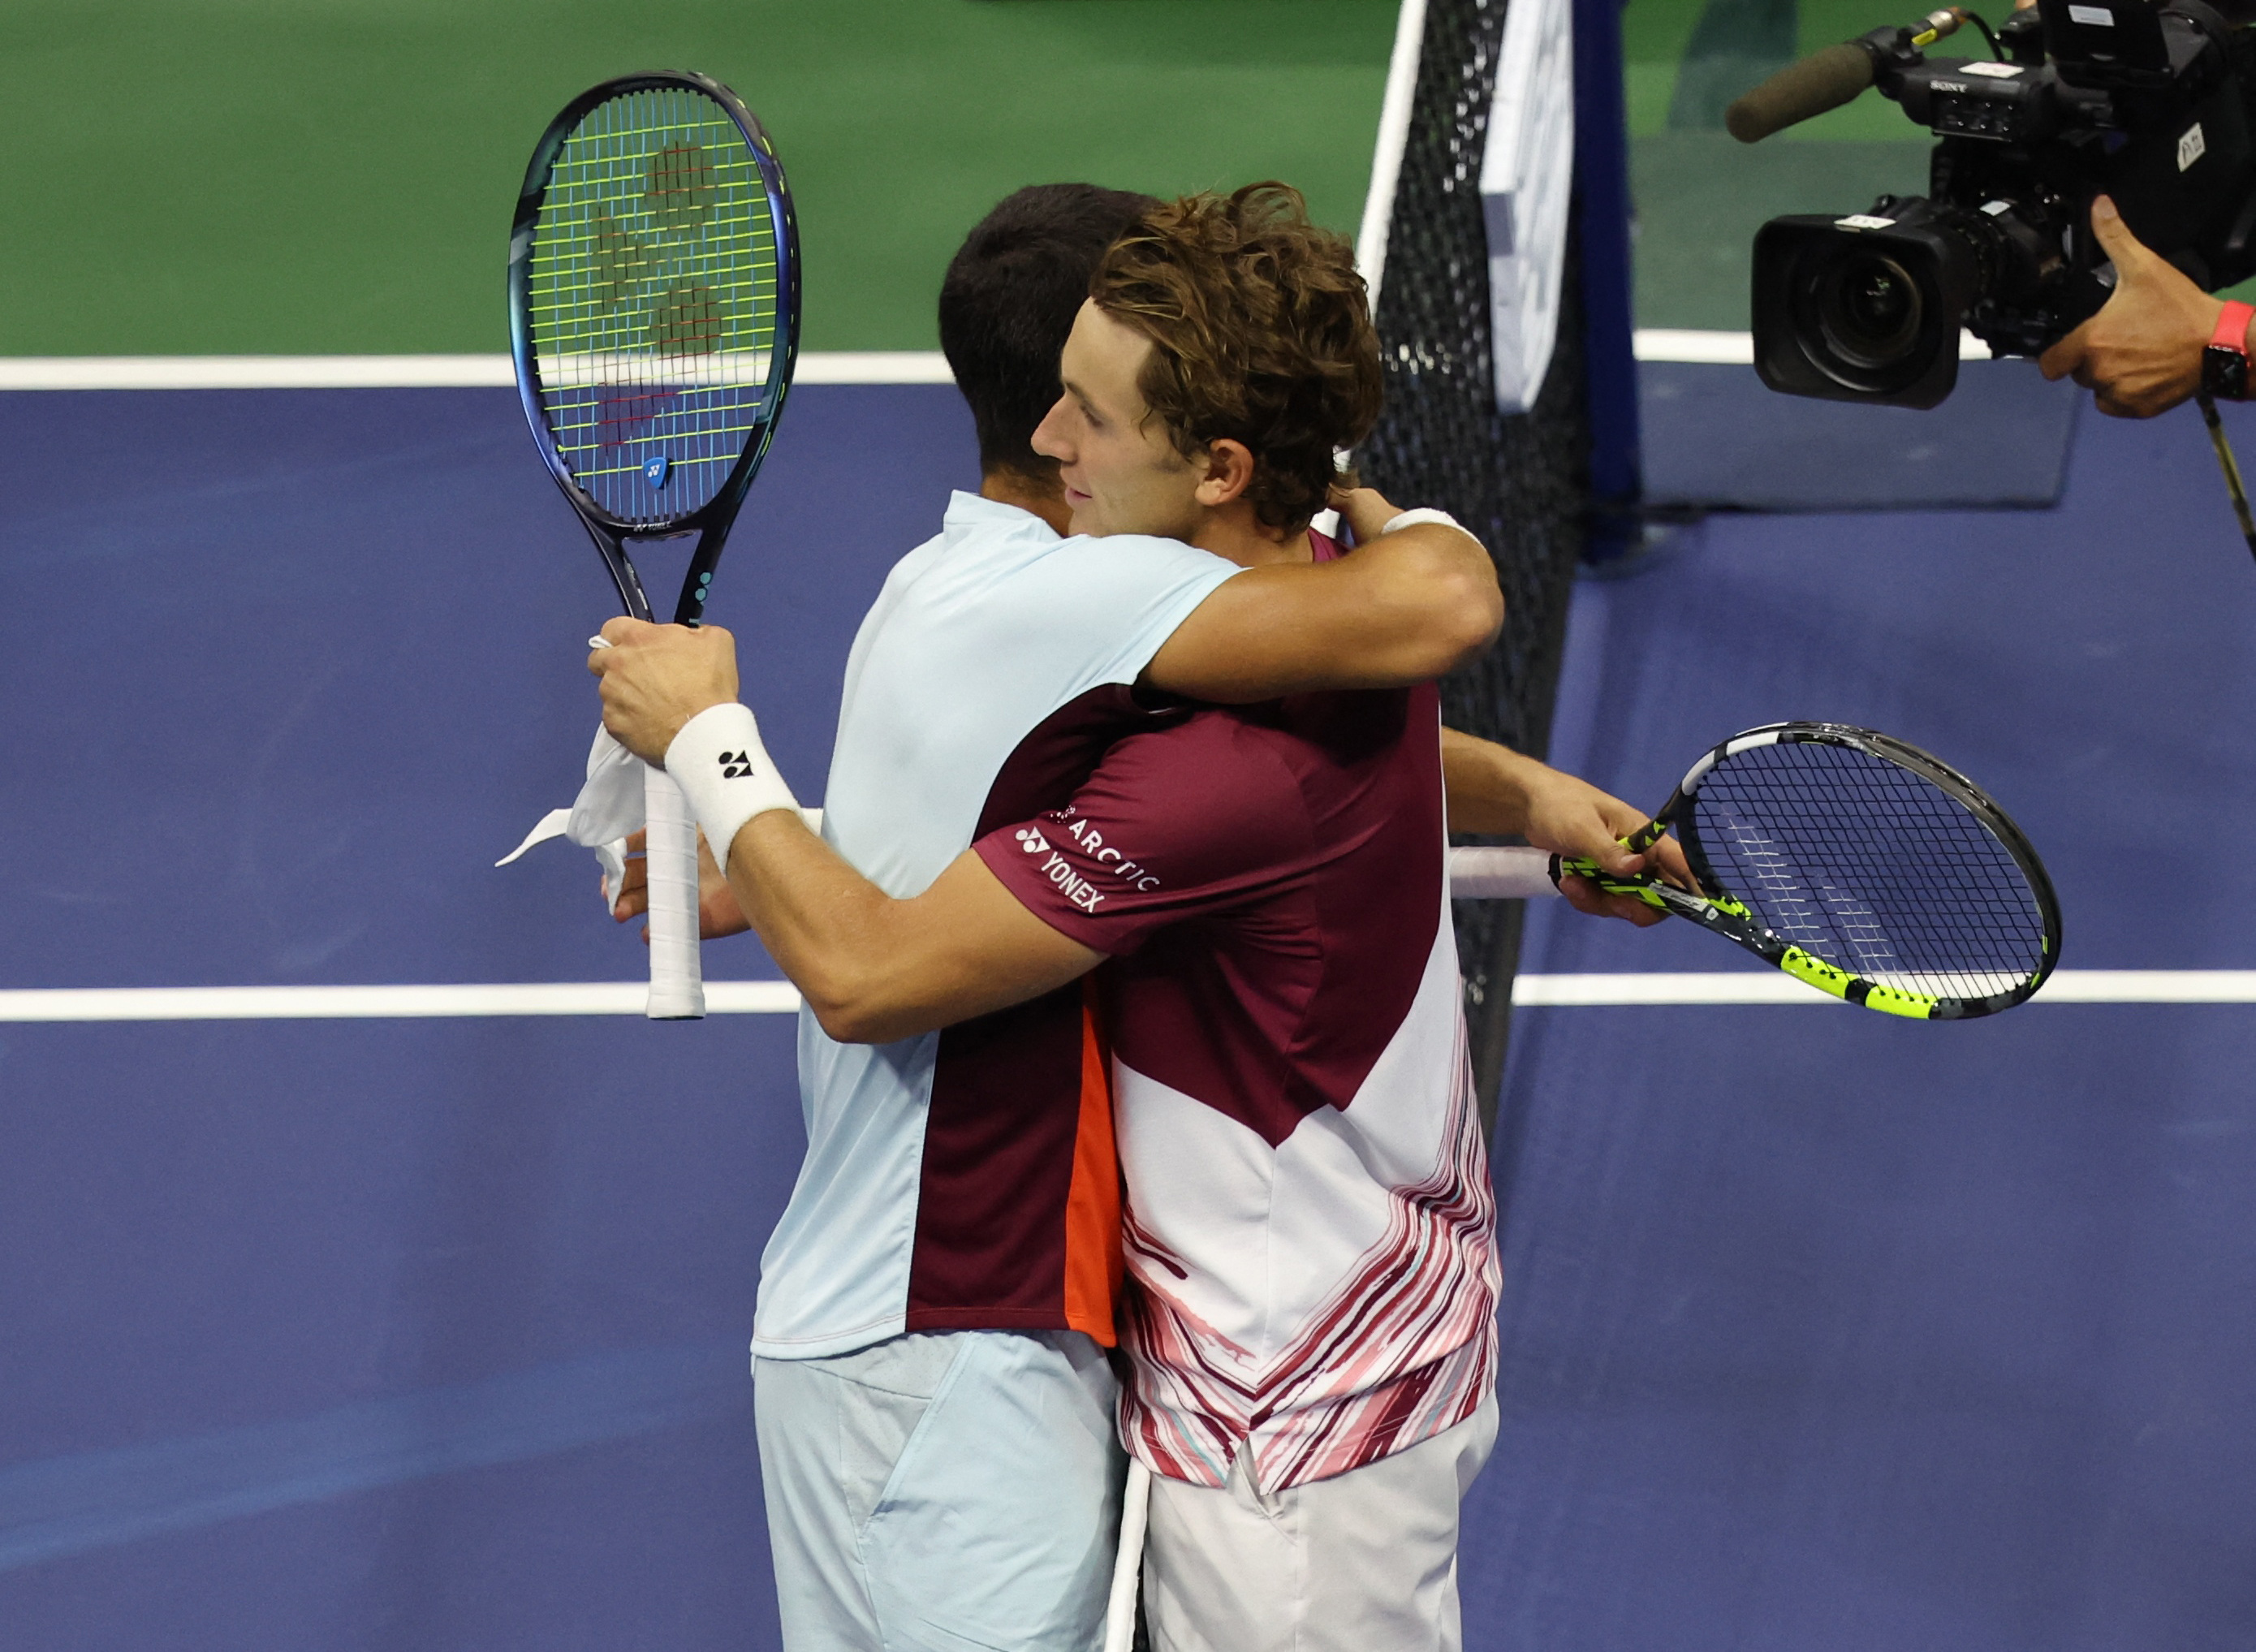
point(2224, 364)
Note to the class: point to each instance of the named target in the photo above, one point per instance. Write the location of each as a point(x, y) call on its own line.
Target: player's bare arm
point(1490, 789)
point(1494, 789)
point(1404, 608)
point(656, 678)
point(872, 968)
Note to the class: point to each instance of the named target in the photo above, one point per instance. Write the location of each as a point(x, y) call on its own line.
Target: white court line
point(777, 997)
point(1683, 344)
point(1768, 987)
point(356, 1003)
point(371, 372)
point(874, 367)
point(816, 367)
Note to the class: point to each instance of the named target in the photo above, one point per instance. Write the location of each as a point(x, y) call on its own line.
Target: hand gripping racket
point(1853, 862)
point(654, 313)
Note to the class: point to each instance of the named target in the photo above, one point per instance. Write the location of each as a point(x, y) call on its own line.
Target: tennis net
point(1519, 482)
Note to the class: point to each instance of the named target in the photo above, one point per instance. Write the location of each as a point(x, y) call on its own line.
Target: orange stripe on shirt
point(1093, 1267)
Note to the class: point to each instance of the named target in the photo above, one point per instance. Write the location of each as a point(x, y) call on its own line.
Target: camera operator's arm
point(2142, 354)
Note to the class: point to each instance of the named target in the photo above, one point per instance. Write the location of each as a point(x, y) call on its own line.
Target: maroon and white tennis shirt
point(1310, 1229)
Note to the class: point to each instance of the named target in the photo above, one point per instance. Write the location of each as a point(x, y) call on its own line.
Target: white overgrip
point(1500, 874)
point(677, 976)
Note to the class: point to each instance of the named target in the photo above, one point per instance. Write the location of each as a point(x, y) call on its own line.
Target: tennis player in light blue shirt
point(936, 1409)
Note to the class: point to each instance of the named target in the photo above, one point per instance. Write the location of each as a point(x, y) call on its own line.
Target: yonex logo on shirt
point(1071, 884)
point(1033, 841)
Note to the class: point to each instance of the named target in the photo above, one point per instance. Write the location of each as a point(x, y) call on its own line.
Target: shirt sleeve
point(1178, 823)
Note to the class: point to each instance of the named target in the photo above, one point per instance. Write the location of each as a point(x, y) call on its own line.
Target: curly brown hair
point(1260, 333)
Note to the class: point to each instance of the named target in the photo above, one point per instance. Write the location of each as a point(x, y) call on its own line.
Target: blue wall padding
point(1820, 1329)
point(1716, 438)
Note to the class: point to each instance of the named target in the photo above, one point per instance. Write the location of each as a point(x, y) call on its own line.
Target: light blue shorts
point(950, 1491)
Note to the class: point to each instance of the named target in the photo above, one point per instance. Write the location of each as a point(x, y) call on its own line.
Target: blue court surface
point(1714, 439)
point(1822, 1331)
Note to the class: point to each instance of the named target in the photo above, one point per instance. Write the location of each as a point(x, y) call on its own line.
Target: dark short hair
point(1008, 302)
point(1260, 332)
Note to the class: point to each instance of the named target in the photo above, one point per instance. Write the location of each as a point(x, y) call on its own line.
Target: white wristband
point(1439, 519)
point(726, 774)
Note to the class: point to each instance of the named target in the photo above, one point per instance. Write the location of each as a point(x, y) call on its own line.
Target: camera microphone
point(1828, 79)
point(1823, 80)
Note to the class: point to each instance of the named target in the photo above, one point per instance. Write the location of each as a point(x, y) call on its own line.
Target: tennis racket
point(1853, 862)
point(653, 313)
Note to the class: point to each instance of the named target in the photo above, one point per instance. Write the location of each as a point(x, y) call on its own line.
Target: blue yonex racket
point(654, 308)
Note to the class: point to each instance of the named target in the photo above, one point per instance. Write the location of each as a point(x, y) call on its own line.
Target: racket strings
point(1870, 867)
point(653, 303)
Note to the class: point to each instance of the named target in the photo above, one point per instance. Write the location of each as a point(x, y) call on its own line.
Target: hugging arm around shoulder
point(874, 969)
point(1405, 608)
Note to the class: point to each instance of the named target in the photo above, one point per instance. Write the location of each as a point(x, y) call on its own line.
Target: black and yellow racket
point(653, 300)
point(1853, 862)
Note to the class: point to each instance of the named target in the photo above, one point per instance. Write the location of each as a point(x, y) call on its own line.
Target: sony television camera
point(2154, 105)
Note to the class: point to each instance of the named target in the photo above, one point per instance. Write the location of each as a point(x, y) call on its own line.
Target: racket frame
point(670, 860)
point(711, 520)
point(1715, 909)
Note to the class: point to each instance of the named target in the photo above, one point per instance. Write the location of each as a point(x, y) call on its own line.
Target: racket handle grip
point(1500, 874)
point(677, 976)
point(1128, 1562)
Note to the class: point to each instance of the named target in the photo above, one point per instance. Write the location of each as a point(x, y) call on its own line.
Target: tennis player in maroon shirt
point(1309, 1225)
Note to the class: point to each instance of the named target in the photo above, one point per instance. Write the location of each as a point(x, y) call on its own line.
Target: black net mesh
point(1518, 481)
point(1868, 867)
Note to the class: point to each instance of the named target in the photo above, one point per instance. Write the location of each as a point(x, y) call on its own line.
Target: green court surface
point(1700, 195)
point(322, 176)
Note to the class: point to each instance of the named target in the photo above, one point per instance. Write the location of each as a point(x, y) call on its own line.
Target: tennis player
point(936, 1409)
point(1015, 1118)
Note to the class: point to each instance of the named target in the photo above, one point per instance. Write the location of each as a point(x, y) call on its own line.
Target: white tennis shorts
point(949, 1492)
point(1364, 1562)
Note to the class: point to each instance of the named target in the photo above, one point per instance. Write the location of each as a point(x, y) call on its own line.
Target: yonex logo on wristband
point(737, 766)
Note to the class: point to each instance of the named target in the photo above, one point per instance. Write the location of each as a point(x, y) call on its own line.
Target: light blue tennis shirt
point(986, 642)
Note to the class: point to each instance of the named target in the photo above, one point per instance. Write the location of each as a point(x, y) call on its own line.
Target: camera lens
point(1868, 314)
point(1869, 310)
point(1868, 307)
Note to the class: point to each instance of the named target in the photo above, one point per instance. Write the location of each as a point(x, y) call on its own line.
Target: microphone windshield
point(1822, 81)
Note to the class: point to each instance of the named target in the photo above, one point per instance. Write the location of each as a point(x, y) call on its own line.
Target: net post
point(1608, 348)
point(1386, 156)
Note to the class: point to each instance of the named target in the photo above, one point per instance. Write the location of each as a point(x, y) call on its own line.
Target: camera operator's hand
point(2142, 354)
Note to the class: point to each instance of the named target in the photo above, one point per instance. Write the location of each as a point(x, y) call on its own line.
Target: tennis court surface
point(1820, 1329)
